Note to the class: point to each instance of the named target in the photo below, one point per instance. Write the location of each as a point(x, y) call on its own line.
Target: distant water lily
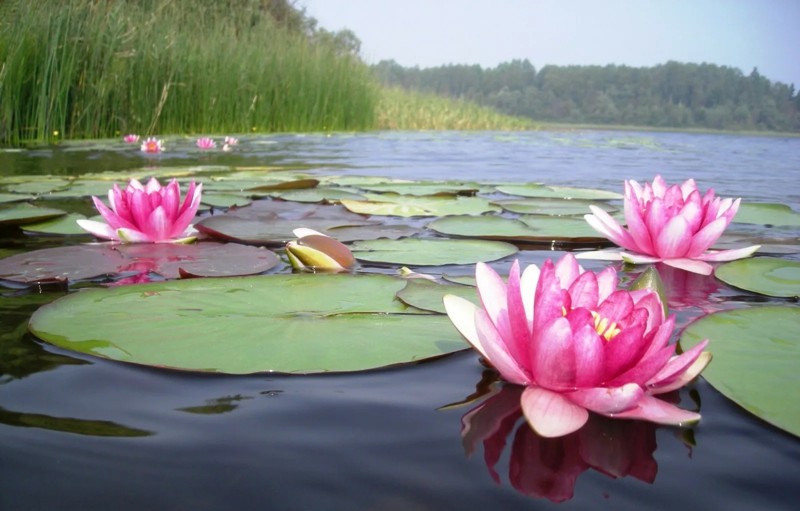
point(315, 251)
point(674, 224)
point(152, 145)
point(206, 143)
point(142, 214)
point(229, 143)
point(577, 344)
point(131, 138)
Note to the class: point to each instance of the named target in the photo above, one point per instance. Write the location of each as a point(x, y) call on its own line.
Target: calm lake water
point(78, 432)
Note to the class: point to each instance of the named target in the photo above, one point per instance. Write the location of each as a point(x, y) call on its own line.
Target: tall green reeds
point(98, 68)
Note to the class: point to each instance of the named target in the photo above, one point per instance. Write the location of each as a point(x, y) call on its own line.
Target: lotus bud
point(315, 251)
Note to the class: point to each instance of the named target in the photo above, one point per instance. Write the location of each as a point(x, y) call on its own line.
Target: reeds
point(94, 69)
point(410, 110)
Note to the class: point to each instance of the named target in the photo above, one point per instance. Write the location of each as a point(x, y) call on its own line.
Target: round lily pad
point(427, 295)
point(756, 356)
point(534, 228)
point(557, 192)
point(283, 323)
point(21, 214)
point(552, 207)
point(767, 214)
point(14, 197)
point(769, 276)
point(408, 205)
point(430, 252)
point(65, 225)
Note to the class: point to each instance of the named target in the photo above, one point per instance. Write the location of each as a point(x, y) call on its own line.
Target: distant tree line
point(674, 94)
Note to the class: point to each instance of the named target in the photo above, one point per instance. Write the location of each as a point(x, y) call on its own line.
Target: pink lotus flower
point(150, 213)
point(675, 224)
point(206, 143)
point(577, 344)
point(152, 145)
point(131, 138)
point(231, 141)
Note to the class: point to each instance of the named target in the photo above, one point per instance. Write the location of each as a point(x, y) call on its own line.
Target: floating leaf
point(552, 207)
point(430, 252)
point(298, 184)
point(320, 194)
point(756, 356)
point(224, 200)
point(407, 205)
point(254, 232)
point(427, 295)
point(61, 263)
point(423, 188)
point(38, 185)
point(65, 225)
point(14, 197)
point(285, 323)
point(767, 214)
point(532, 228)
point(770, 276)
point(557, 192)
point(21, 214)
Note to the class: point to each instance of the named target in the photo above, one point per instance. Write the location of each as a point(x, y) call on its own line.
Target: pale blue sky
point(738, 33)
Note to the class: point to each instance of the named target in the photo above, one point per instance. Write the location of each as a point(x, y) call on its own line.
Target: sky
point(738, 33)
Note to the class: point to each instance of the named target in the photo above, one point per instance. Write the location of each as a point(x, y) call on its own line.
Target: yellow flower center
point(605, 329)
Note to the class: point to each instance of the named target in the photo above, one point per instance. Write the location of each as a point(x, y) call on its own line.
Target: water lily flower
point(674, 224)
point(577, 344)
point(315, 251)
point(131, 138)
point(229, 143)
point(206, 143)
point(142, 214)
point(152, 145)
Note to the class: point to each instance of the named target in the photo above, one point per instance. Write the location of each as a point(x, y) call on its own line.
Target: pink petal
point(607, 400)
point(549, 299)
point(497, 352)
point(655, 410)
point(584, 291)
point(462, 314)
point(158, 225)
point(113, 219)
point(132, 236)
point(552, 355)
point(603, 223)
point(519, 341)
point(550, 414)
point(527, 289)
point(567, 270)
point(645, 369)
point(674, 239)
point(607, 282)
point(676, 366)
point(729, 255)
point(616, 307)
point(706, 237)
point(636, 258)
point(690, 374)
point(98, 229)
point(690, 265)
point(692, 211)
point(625, 350)
point(492, 292)
point(589, 354)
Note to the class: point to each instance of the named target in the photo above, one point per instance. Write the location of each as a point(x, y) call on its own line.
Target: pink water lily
point(142, 214)
point(674, 224)
point(206, 143)
point(577, 344)
point(152, 145)
point(131, 138)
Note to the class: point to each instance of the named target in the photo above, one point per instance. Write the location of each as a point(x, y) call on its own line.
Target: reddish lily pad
point(277, 323)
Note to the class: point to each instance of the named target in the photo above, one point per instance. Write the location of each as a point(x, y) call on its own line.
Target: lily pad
point(65, 225)
point(21, 214)
point(320, 194)
point(273, 232)
point(552, 207)
point(38, 185)
point(278, 323)
point(408, 205)
point(14, 197)
point(534, 228)
point(224, 200)
point(427, 295)
point(769, 276)
point(430, 252)
point(423, 188)
point(767, 214)
point(756, 356)
point(557, 192)
point(61, 263)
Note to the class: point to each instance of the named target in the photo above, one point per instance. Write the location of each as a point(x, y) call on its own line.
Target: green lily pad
point(430, 252)
point(552, 207)
point(224, 200)
point(21, 214)
point(255, 232)
point(557, 192)
point(14, 197)
point(423, 188)
point(65, 225)
point(767, 214)
point(426, 295)
point(756, 356)
point(38, 185)
point(769, 276)
point(283, 323)
point(408, 205)
point(320, 194)
point(533, 228)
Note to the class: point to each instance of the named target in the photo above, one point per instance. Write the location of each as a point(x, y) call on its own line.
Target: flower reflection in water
point(549, 467)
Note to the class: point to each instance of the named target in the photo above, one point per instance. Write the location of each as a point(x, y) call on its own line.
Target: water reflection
point(549, 467)
point(69, 424)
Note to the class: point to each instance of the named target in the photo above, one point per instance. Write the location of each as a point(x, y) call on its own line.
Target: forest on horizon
point(670, 95)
